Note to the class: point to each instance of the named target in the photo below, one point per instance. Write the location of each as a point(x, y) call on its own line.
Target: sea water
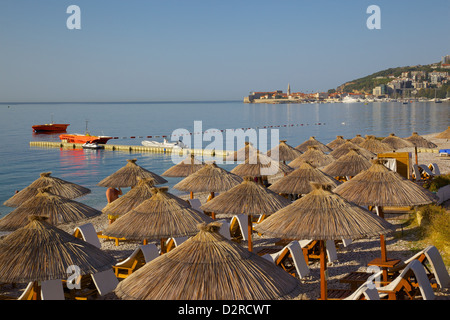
point(21, 164)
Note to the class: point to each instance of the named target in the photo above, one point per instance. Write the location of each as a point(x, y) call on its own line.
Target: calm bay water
point(21, 164)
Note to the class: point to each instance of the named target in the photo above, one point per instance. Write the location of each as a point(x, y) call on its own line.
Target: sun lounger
point(225, 229)
point(437, 264)
point(139, 257)
point(52, 290)
point(291, 259)
point(426, 172)
point(401, 287)
point(367, 291)
point(105, 281)
point(174, 242)
point(434, 168)
point(27, 294)
point(87, 233)
point(239, 227)
point(416, 173)
point(195, 204)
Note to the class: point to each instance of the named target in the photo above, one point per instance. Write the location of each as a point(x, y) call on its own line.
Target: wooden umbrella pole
point(323, 271)
point(250, 230)
point(191, 195)
point(380, 213)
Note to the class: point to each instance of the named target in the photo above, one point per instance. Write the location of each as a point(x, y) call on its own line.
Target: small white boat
point(349, 99)
point(164, 144)
point(91, 145)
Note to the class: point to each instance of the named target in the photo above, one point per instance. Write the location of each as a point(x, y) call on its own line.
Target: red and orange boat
point(50, 127)
point(83, 138)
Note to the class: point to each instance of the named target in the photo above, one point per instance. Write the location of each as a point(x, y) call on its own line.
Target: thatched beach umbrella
point(285, 152)
point(209, 267)
point(336, 142)
point(323, 215)
point(248, 198)
point(40, 251)
point(347, 166)
point(260, 166)
point(127, 176)
point(59, 210)
point(185, 167)
point(60, 187)
point(299, 181)
point(303, 147)
point(373, 145)
point(444, 134)
point(397, 142)
point(378, 186)
point(211, 178)
point(314, 156)
point(420, 141)
point(357, 139)
point(162, 216)
point(130, 200)
point(245, 153)
point(343, 149)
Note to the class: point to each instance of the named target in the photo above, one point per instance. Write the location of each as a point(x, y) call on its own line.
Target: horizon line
point(115, 102)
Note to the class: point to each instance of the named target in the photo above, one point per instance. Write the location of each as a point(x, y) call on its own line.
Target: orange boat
point(83, 138)
point(50, 127)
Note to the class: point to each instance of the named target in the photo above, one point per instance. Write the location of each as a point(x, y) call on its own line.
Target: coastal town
point(421, 84)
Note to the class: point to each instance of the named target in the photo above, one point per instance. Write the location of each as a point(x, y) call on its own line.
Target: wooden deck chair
point(27, 294)
point(105, 281)
point(139, 257)
point(347, 242)
point(87, 233)
point(440, 272)
point(291, 259)
point(310, 250)
point(416, 173)
point(330, 246)
point(401, 287)
point(426, 172)
point(434, 168)
point(367, 291)
point(52, 290)
point(174, 242)
point(239, 227)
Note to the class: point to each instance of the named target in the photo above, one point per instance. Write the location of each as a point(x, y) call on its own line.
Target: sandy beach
point(354, 257)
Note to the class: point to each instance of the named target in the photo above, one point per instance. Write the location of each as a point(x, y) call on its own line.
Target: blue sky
point(170, 50)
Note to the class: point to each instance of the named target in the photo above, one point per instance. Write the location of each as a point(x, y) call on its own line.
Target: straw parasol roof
point(379, 186)
point(349, 165)
point(303, 147)
point(420, 141)
point(444, 134)
point(209, 267)
point(260, 165)
point(248, 198)
point(374, 145)
point(59, 210)
point(299, 181)
point(59, 187)
point(323, 215)
point(130, 200)
point(127, 176)
point(210, 178)
point(397, 142)
point(285, 152)
point(244, 153)
point(40, 251)
point(357, 139)
point(185, 167)
point(162, 216)
point(343, 149)
point(336, 142)
point(314, 156)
